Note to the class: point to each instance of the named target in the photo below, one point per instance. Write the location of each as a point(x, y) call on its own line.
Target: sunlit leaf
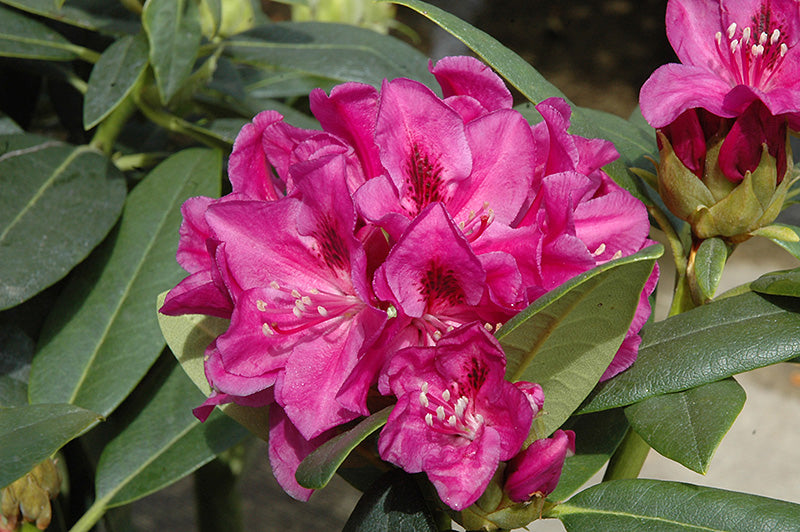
point(708, 264)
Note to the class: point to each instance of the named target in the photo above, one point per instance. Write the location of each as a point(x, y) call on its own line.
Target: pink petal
point(467, 76)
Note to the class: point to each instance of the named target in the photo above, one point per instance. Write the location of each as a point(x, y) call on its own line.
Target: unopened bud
point(28, 498)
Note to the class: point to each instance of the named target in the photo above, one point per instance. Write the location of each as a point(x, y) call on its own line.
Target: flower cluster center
point(294, 310)
point(449, 412)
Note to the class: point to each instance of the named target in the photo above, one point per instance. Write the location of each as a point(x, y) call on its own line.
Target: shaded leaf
point(113, 78)
point(393, 504)
point(785, 283)
point(318, 468)
point(633, 142)
point(703, 345)
point(644, 505)
point(709, 262)
point(163, 443)
point(58, 203)
point(688, 426)
point(173, 31)
point(567, 338)
point(23, 37)
point(597, 436)
point(31, 433)
point(336, 51)
point(187, 337)
point(102, 335)
point(16, 352)
point(8, 126)
point(97, 15)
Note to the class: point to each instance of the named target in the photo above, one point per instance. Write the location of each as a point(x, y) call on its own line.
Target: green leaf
point(784, 283)
point(688, 426)
point(31, 433)
point(597, 436)
point(23, 37)
point(102, 335)
point(58, 203)
point(187, 337)
point(645, 505)
point(792, 247)
point(703, 345)
point(8, 126)
point(113, 78)
point(708, 265)
point(163, 443)
point(336, 51)
point(393, 504)
point(96, 15)
point(318, 468)
point(16, 352)
point(567, 338)
point(633, 142)
point(173, 30)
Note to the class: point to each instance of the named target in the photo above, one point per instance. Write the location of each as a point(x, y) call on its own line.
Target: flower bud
point(535, 471)
point(29, 496)
point(725, 180)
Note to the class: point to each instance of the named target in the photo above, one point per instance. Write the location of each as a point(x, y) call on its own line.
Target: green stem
point(176, 124)
point(139, 160)
point(682, 299)
point(218, 502)
point(90, 56)
point(628, 459)
point(674, 241)
point(92, 515)
point(109, 129)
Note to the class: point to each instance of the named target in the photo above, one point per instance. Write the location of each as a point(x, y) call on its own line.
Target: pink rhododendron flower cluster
point(377, 256)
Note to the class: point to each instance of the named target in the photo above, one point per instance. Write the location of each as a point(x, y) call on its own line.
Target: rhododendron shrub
point(377, 256)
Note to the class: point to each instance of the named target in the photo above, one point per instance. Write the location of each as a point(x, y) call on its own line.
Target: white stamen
point(746, 35)
point(391, 312)
point(437, 335)
point(425, 387)
point(488, 327)
point(440, 413)
point(617, 255)
point(784, 49)
point(298, 304)
point(731, 30)
point(265, 330)
point(322, 311)
point(461, 225)
point(486, 203)
point(757, 50)
point(306, 300)
point(275, 285)
point(314, 291)
point(718, 37)
point(446, 395)
point(776, 34)
point(479, 418)
point(497, 326)
point(734, 45)
point(296, 312)
point(763, 37)
point(423, 399)
point(429, 419)
point(295, 294)
point(452, 421)
point(261, 305)
point(600, 250)
point(461, 405)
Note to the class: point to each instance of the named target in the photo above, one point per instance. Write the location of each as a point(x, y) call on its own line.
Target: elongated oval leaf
point(16, 352)
point(187, 337)
point(688, 426)
point(113, 77)
point(22, 37)
point(102, 335)
point(632, 141)
point(566, 339)
point(703, 345)
point(173, 30)
point(318, 468)
point(96, 15)
point(786, 283)
point(336, 51)
point(31, 433)
point(792, 247)
point(393, 504)
point(164, 443)
point(708, 265)
point(646, 505)
point(58, 202)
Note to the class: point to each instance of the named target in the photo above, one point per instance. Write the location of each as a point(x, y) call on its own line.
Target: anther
point(776, 34)
point(296, 312)
point(429, 419)
point(617, 255)
point(423, 399)
point(718, 38)
point(275, 285)
point(322, 311)
point(734, 45)
point(265, 330)
point(437, 335)
point(261, 305)
point(452, 421)
point(314, 291)
point(306, 300)
point(731, 30)
point(298, 303)
point(757, 50)
point(295, 294)
point(440, 413)
point(446, 395)
point(784, 49)
point(763, 37)
point(600, 250)
point(746, 35)
point(488, 327)
point(425, 387)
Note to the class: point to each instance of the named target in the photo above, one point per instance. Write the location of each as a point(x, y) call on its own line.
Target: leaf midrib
point(559, 511)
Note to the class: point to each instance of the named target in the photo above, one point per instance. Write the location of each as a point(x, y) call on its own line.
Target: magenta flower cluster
point(370, 261)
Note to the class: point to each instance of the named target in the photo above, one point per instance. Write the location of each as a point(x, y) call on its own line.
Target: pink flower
point(535, 471)
point(733, 53)
point(456, 416)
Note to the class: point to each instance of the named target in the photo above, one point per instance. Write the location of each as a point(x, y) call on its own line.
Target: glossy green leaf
point(16, 352)
point(597, 436)
point(187, 337)
point(792, 247)
point(646, 505)
point(688, 426)
point(567, 338)
point(173, 31)
point(8, 126)
point(318, 468)
point(393, 504)
point(335, 51)
point(263, 84)
point(633, 142)
point(164, 443)
point(31, 433)
point(709, 262)
point(23, 37)
point(113, 78)
point(58, 203)
point(703, 345)
point(784, 283)
point(97, 15)
point(102, 335)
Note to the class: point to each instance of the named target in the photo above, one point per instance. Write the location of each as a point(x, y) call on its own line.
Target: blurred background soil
point(598, 52)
